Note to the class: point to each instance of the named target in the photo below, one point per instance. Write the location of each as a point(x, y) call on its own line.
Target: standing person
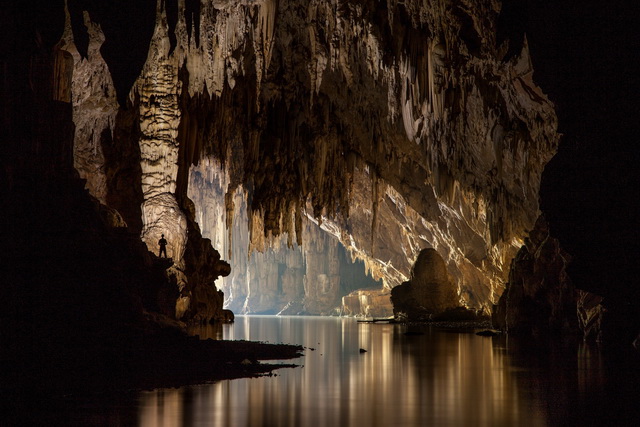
point(163, 246)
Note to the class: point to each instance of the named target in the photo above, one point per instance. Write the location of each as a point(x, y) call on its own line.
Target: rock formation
point(94, 103)
point(429, 293)
point(196, 265)
point(86, 305)
point(283, 277)
point(338, 132)
point(591, 313)
point(539, 297)
point(325, 112)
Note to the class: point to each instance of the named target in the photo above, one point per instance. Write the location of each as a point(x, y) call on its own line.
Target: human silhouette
point(163, 246)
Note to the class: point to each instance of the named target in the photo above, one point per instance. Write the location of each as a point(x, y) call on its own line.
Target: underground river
point(404, 376)
point(407, 376)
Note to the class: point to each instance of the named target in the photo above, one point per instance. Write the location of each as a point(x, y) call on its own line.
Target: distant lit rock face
point(397, 126)
point(283, 277)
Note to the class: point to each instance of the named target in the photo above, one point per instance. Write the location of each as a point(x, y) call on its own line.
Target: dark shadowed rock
point(459, 314)
point(487, 333)
point(229, 317)
point(539, 296)
point(429, 293)
point(590, 314)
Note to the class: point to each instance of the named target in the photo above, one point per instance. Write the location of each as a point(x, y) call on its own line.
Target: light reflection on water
point(438, 378)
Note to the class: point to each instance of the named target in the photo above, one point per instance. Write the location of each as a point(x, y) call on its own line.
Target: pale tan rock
point(162, 215)
point(95, 106)
point(392, 133)
point(367, 303)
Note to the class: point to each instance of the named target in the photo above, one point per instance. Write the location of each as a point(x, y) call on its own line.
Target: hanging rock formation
point(283, 277)
point(394, 126)
point(391, 149)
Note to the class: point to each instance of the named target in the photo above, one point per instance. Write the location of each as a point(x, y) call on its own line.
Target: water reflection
point(213, 331)
point(437, 378)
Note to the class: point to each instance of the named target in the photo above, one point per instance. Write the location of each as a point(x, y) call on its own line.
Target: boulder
point(430, 291)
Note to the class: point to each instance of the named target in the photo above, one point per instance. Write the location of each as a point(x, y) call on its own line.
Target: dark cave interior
point(584, 56)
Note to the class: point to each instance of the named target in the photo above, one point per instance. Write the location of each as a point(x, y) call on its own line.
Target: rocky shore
point(55, 382)
point(136, 361)
point(88, 307)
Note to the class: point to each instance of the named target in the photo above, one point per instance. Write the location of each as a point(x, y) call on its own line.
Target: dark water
point(418, 376)
point(428, 377)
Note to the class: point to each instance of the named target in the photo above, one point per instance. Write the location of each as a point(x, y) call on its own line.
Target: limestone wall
point(396, 126)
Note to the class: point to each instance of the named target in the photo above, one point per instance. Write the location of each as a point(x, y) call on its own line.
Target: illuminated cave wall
point(283, 277)
point(393, 125)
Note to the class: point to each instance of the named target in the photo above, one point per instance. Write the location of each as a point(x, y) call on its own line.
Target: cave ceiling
point(391, 126)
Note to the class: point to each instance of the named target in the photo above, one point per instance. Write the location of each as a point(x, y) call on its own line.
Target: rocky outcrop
point(539, 297)
point(429, 293)
point(607, 321)
point(200, 300)
point(367, 303)
point(80, 290)
point(102, 131)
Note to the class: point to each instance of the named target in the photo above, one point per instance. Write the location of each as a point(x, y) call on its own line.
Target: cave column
point(158, 88)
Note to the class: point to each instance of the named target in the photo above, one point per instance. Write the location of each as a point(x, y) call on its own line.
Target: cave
point(366, 159)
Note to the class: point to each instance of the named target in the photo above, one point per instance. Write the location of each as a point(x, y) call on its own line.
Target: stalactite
point(294, 98)
point(95, 106)
point(375, 202)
